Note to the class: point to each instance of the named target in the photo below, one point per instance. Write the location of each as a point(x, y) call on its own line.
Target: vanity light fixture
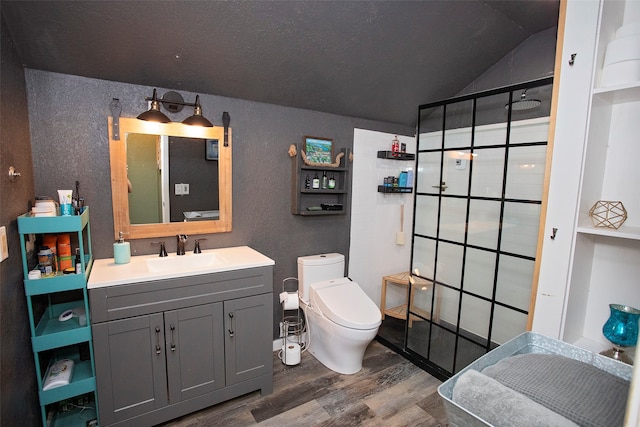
point(154, 114)
point(173, 102)
point(197, 119)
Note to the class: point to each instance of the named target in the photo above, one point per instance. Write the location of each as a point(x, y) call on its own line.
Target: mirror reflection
point(172, 179)
point(169, 178)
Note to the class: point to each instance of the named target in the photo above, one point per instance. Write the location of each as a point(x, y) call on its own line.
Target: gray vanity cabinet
point(170, 347)
point(246, 330)
point(193, 340)
point(133, 375)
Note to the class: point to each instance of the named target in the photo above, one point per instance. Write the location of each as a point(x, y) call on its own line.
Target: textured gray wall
point(18, 390)
point(68, 120)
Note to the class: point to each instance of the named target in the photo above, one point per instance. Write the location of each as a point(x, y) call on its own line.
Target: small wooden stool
point(400, 312)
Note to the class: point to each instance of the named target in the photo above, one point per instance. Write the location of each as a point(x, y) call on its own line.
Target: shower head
point(523, 103)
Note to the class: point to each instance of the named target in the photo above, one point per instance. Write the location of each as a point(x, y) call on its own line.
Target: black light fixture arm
point(167, 101)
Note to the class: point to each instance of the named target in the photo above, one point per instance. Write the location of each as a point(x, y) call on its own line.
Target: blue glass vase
point(622, 330)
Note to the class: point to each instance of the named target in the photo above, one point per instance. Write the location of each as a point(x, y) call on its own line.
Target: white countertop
point(106, 272)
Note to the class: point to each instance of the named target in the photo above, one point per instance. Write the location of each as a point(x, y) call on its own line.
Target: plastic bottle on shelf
point(78, 262)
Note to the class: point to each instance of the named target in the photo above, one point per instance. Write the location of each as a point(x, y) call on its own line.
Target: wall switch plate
point(4, 248)
point(181, 189)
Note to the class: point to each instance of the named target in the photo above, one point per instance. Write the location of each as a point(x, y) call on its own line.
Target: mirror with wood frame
point(193, 198)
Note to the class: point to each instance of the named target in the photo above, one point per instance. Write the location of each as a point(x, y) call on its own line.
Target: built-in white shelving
point(584, 268)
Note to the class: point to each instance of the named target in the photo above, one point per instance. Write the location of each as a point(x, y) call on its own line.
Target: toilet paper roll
point(289, 300)
point(291, 354)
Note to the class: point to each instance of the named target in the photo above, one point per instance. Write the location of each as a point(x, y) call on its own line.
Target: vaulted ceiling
point(370, 59)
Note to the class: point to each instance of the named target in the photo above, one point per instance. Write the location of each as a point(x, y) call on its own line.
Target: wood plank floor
point(388, 391)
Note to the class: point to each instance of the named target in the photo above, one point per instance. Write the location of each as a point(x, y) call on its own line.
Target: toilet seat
point(345, 303)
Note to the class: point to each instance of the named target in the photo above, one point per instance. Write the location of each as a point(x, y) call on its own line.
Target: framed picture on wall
point(318, 150)
point(211, 149)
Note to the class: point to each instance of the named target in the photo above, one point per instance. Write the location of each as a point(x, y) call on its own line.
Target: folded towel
point(586, 395)
point(501, 406)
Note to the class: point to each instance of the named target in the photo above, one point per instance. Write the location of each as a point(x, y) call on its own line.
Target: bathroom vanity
point(176, 334)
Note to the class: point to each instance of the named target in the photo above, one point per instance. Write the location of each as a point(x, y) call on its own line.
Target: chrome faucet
point(182, 239)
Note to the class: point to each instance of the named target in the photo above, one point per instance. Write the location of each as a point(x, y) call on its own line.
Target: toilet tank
point(318, 268)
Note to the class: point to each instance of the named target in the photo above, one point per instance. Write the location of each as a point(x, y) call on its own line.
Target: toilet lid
point(347, 305)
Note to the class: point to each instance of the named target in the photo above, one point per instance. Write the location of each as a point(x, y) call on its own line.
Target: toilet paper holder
point(292, 326)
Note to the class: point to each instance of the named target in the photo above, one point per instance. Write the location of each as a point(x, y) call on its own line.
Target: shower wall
point(519, 225)
point(480, 182)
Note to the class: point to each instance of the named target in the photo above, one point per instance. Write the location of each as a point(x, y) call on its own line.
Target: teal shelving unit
point(73, 404)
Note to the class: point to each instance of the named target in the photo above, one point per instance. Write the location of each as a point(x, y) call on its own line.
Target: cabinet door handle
point(158, 348)
point(231, 324)
point(173, 343)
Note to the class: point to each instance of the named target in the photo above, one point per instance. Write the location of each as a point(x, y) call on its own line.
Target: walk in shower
point(480, 166)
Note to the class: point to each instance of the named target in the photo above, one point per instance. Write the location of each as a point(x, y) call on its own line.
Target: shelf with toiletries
point(57, 259)
point(319, 190)
point(390, 190)
point(397, 184)
point(403, 182)
point(395, 155)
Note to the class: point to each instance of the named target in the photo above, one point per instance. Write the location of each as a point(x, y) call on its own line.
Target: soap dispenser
point(121, 251)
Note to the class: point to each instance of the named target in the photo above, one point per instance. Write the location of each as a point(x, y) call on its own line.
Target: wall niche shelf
point(385, 154)
point(309, 201)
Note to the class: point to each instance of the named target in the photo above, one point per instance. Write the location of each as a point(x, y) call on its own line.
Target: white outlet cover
point(461, 164)
point(178, 189)
point(4, 248)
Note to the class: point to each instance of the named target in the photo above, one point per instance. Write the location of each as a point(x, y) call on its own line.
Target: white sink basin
point(185, 263)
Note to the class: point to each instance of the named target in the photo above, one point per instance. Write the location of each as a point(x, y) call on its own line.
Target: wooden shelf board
point(400, 312)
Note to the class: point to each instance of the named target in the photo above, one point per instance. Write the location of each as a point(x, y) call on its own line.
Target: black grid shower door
point(479, 185)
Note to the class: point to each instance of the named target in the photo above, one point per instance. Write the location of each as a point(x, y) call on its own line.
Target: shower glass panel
point(488, 166)
point(479, 185)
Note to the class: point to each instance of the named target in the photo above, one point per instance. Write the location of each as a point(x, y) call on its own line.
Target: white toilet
point(341, 319)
